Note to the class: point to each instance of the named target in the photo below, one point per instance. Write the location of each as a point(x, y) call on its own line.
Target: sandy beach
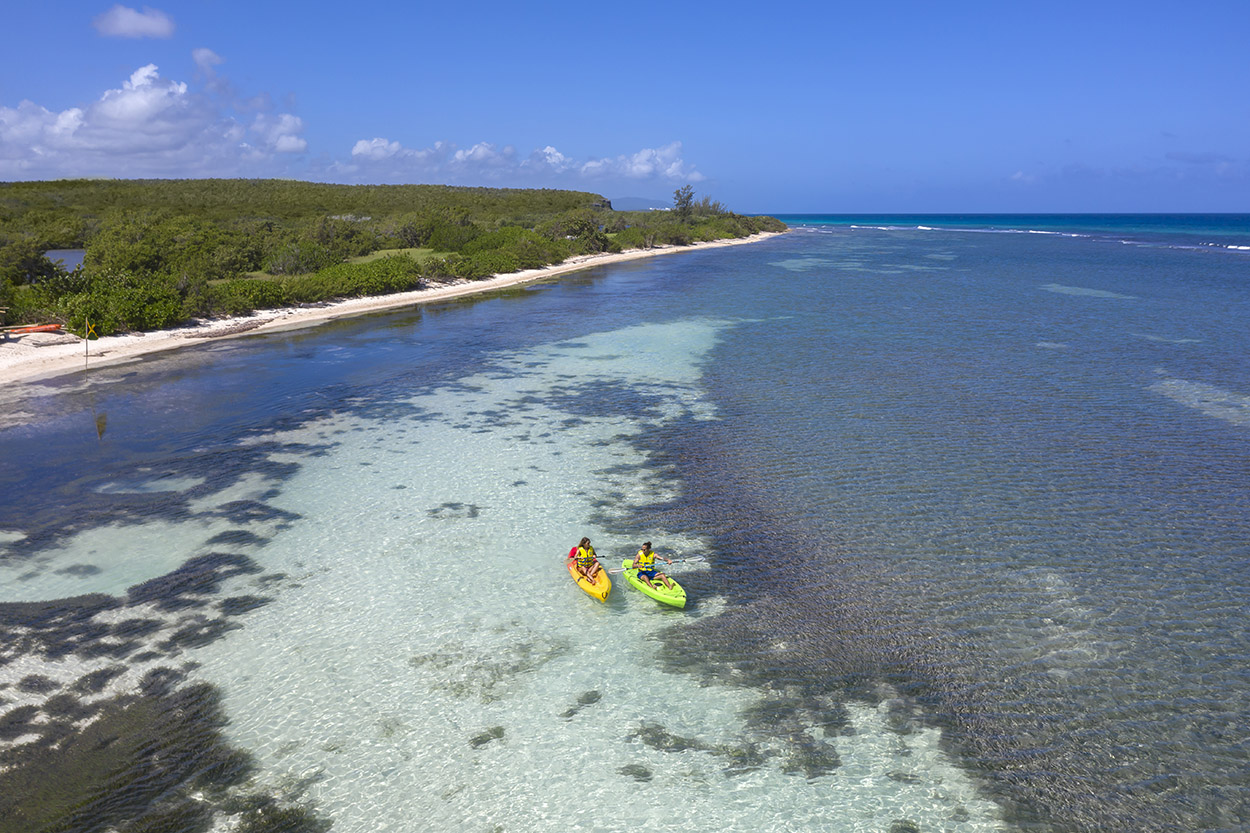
point(33, 356)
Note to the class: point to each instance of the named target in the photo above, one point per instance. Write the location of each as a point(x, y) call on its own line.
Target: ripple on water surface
point(431, 660)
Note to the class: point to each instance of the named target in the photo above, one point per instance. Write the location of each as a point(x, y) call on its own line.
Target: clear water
point(974, 506)
point(70, 259)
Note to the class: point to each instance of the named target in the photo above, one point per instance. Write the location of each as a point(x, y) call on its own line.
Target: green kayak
point(674, 596)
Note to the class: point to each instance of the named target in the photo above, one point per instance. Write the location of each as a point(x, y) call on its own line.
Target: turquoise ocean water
point(972, 492)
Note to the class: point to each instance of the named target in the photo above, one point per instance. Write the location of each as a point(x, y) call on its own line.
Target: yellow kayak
point(599, 588)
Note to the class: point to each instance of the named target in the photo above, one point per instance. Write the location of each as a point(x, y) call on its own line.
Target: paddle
point(616, 570)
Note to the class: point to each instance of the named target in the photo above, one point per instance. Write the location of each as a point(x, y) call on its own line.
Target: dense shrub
point(158, 242)
point(243, 295)
point(521, 247)
point(441, 268)
point(396, 273)
point(26, 305)
point(62, 213)
point(593, 242)
point(299, 257)
point(707, 222)
point(8, 294)
point(571, 224)
point(583, 231)
point(45, 301)
point(24, 261)
point(158, 252)
point(449, 235)
point(635, 237)
point(487, 263)
point(674, 234)
point(342, 236)
point(123, 301)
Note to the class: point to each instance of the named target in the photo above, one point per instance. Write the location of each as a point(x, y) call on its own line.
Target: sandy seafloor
point(400, 666)
point(574, 691)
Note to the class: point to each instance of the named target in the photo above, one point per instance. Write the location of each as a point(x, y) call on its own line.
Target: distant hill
point(639, 204)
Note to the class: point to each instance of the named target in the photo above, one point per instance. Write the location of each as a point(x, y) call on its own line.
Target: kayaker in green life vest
point(587, 563)
point(644, 562)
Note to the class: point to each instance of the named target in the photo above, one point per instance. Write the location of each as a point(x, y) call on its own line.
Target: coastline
point(37, 356)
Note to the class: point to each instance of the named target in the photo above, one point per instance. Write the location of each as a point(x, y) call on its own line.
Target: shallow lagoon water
point(976, 546)
point(479, 688)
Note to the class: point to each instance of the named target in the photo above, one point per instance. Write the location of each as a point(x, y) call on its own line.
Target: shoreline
point(37, 356)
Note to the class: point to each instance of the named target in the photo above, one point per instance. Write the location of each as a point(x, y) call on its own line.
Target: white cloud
point(402, 158)
point(147, 114)
point(124, 22)
point(290, 144)
point(649, 163)
point(26, 130)
point(149, 126)
point(375, 149)
point(280, 132)
point(386, 160)
point(207, 60)
point(143, 101)
point(483, 156)
point(549, 159)
point(206, 63)
point(153, 126)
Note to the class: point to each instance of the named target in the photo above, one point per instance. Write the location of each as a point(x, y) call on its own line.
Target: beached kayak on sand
point(599, 588)
point(675, 595)
point(31, 328)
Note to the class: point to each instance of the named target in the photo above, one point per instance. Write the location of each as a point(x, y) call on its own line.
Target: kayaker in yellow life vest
point(644, 562)
point(587, 563)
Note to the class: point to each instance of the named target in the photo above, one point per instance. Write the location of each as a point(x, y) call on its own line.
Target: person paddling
point(644, 563)
point(587, 563)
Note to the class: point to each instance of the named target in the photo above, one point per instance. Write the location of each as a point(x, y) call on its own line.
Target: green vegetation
point(162, 252)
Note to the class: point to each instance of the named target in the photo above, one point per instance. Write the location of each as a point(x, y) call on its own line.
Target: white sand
point(24, 358)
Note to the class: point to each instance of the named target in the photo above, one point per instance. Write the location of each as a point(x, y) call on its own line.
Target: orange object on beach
point(31, 328)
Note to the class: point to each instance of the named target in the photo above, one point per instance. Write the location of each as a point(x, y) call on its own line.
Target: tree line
point(162, 252)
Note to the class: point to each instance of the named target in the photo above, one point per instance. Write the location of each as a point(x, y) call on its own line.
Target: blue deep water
point(987, 477)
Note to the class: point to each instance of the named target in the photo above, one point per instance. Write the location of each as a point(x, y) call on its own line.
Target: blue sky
point(797, 107)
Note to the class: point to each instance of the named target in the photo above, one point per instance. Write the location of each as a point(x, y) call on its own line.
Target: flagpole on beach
point(86, 339)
